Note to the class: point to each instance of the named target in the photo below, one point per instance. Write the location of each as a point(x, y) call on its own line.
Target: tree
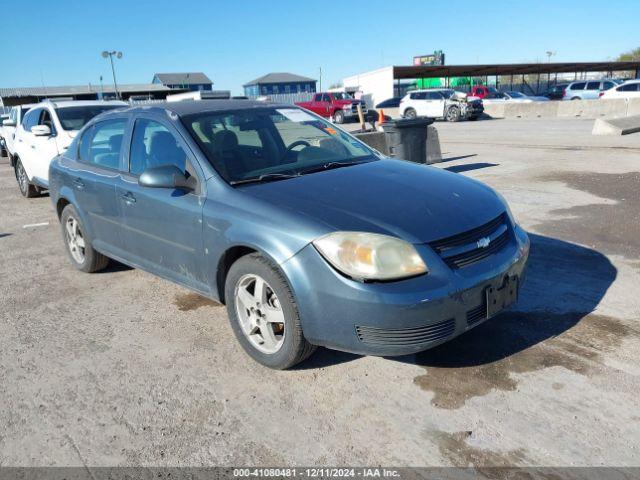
point(630, 56)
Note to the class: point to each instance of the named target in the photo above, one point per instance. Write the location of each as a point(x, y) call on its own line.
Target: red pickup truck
point(339, 106)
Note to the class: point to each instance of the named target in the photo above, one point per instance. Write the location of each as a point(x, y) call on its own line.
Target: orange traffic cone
point(381, 116)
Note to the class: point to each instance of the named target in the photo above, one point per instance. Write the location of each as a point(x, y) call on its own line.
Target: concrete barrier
point(609, 108)
point(378, 141)
point(375, 140)
point(616, 126)
point(434, 155)
point(614, 107)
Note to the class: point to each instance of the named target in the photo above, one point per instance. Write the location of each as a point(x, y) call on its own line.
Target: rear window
point(74, 118)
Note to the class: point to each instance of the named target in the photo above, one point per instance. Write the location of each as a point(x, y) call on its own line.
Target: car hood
point(411, 201)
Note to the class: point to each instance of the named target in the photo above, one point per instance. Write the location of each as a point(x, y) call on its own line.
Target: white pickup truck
point(9, 127)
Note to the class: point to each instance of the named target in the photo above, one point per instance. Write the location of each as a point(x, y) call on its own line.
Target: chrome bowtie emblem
point(483, 242)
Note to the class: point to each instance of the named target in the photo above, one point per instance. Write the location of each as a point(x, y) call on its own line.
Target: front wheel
point(263, 313)
point(338, 117)
point(82, 254)
point(26, 188)
point(453, 114)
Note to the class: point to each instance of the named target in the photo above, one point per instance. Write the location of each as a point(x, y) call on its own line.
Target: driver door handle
point(79, 183)
point(128, 197)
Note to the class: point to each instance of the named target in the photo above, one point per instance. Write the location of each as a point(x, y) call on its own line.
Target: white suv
point(630, 89)
point(46, 131)
point(440, 103)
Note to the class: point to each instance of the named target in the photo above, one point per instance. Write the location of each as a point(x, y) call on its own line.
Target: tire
point(291, 347)
point(26, 188)
point(576, 98)
point(89, 260)
point(453, 114)
point(338, 117)
point(410, 113)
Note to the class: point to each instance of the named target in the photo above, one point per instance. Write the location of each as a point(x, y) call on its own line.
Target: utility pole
point(110, 55)
point(549, 55)
point(320, 68)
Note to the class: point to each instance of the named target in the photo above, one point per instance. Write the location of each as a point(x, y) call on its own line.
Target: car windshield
point(74, 118)
point(516, 95)
point(266, 144)
point(342, 96)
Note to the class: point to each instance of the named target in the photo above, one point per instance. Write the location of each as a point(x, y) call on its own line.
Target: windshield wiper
point(329, 166)
point(266, 177)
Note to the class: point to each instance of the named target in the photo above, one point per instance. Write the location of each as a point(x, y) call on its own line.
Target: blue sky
point(59, 42)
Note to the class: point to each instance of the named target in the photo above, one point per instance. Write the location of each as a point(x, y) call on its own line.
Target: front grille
point(476, 315)
point(399, 337)
point(462, 250)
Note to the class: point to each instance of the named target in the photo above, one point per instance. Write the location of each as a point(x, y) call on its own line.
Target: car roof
point(188, 107)
point(81, 103)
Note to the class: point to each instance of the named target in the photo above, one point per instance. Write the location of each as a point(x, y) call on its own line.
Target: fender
point(68, 194)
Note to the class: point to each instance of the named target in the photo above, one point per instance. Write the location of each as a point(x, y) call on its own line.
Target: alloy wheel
point(260, 314)
point(21, 176)
point(75, 240)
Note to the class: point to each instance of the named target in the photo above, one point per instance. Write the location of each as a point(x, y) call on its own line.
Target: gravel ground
point(122, 368)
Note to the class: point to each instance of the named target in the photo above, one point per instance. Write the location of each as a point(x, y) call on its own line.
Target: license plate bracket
point(499, 298)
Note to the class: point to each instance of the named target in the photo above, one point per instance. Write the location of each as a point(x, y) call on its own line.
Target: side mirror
point(7, 122)
point(41, 130)
point(165, 176)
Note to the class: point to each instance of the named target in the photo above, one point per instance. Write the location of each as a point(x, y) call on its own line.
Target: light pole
point(549, 55)
point(106, 54)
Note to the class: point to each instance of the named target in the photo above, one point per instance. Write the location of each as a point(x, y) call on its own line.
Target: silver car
point(587, 89)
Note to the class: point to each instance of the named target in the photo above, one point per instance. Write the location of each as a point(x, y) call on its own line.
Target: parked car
point(587, 89)
point(519, 97)
point(390, 103)
point(630, 89)
point(481, 91)
point(339, 106)
point(497, 97)
point(443, 103)
point(556, 92)
point(9, 127)
point(306, 234)
point(46, 130)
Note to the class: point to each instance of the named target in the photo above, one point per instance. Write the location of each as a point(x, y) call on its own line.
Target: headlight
point(370, 256)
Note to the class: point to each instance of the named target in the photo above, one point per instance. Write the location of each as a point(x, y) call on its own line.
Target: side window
point(153, 145)
point(607, 85)
point(45, 119)
point(434, 96)
point(326, 98)
point(578, 86)
point(593, 85)
point(101, 144)
point(630, 87)
point(31, 119)
point(317, 98)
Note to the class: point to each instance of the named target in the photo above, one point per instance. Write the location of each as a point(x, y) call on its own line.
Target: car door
point(24, 142)
point(419, 103)
point(163, 227)
point(44, 148)
point(435, 105)
point(94, 181)
point(591, 90)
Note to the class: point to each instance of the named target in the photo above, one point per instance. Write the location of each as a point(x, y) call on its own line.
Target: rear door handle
point(78, 183)
point(128, 197)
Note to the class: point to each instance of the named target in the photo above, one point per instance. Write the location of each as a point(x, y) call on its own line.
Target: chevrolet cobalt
point(307, 235)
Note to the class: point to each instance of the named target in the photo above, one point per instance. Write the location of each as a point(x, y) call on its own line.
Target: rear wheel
point(26, 188)
point(263, 313)
point(576, 98)
point(82, 254)
point(410, 113)
point(453, 114)
point(338, 117)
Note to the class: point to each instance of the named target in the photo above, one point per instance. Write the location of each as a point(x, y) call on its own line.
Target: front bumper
point(401, 317)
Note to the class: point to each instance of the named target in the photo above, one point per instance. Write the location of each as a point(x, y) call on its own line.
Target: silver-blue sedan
point(307, 235)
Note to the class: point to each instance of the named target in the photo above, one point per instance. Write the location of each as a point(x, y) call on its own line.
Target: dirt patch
point(612, 228)
point(484, 359)
point(192, 301)
point(454, 447)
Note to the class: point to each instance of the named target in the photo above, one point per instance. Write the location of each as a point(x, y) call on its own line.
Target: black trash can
point(407, 138)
